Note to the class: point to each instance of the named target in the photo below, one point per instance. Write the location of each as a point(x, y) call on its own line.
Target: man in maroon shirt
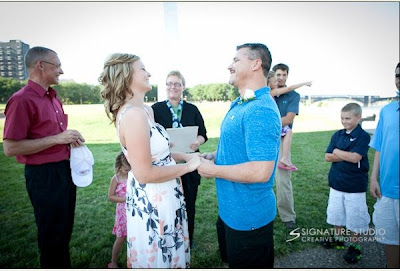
point(35, 131)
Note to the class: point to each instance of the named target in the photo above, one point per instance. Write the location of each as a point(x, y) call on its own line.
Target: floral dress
point(120, 212)
point(157, 232)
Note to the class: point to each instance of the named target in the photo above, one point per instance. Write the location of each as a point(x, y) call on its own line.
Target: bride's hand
point(207, 169)
point(189, 156)
point(194, 162)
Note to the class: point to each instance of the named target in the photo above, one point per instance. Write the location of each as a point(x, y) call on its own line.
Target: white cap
point(82, 162)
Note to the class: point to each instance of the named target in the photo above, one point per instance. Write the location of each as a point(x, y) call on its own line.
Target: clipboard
point(181, 138)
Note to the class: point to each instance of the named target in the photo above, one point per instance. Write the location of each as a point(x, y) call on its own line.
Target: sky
point(343, 47)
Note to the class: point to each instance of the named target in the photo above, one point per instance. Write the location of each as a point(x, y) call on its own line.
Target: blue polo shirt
point(346, 176)
point(288, 102)
point(386, 141)
point(251, 131)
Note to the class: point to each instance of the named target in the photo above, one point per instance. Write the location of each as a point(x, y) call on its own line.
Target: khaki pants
point(284, 192)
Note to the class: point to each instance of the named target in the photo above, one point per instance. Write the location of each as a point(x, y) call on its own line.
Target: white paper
point(182, 138)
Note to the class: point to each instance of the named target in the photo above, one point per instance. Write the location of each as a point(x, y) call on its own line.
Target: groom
point(245, 163)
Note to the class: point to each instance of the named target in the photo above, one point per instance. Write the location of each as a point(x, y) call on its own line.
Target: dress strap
point(149, 118)
point(147, 112)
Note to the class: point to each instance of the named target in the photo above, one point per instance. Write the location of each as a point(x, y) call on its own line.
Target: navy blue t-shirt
point(288, 102)
point(346, 176)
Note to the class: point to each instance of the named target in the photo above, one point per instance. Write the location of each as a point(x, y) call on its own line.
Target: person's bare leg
point(117, 247)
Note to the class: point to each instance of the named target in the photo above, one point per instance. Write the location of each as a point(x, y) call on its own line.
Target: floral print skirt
point(157, 233)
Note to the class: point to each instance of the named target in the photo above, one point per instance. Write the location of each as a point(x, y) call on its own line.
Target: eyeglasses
point(55, 65)
point(176, 84)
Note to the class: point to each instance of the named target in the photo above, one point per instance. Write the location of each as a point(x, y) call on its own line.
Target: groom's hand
point(207, 169)
point(209, 156)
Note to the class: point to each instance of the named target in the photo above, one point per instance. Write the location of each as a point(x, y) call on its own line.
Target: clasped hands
point(204, 163)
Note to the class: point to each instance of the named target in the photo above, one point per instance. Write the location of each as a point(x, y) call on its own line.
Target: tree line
point(81, 93)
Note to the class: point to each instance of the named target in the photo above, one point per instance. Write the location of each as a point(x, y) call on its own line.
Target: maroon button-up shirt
point(31, 113)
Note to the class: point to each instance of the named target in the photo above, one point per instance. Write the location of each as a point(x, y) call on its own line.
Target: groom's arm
point(249, 172)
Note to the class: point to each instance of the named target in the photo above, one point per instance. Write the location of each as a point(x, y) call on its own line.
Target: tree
point(8, 86)
point(213, 92)
point(75, 93)
point(71, 92)
point(197, 92)
point(232, 93)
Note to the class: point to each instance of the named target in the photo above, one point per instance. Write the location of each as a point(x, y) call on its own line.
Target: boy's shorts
point(386, 221)
point(285, 130)
point(348, 209)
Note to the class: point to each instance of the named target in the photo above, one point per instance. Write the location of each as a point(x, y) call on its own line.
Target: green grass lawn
point(92, 240)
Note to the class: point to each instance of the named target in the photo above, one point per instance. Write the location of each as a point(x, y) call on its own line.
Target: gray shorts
point(348, 209)
point(386, 221)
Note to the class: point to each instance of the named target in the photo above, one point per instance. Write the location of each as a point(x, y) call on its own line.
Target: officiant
point(175, 113)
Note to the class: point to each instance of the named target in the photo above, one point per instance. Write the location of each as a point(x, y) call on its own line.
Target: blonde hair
point(354, 108)
point(116, 79)
point(120, 161)
point(270, 75)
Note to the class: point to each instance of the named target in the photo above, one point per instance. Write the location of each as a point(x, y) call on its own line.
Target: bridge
point(365, 100)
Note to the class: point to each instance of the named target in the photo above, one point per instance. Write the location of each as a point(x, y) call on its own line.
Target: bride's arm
point(134, 132)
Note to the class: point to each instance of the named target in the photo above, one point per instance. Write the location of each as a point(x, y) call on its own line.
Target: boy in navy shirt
point(348, 181)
